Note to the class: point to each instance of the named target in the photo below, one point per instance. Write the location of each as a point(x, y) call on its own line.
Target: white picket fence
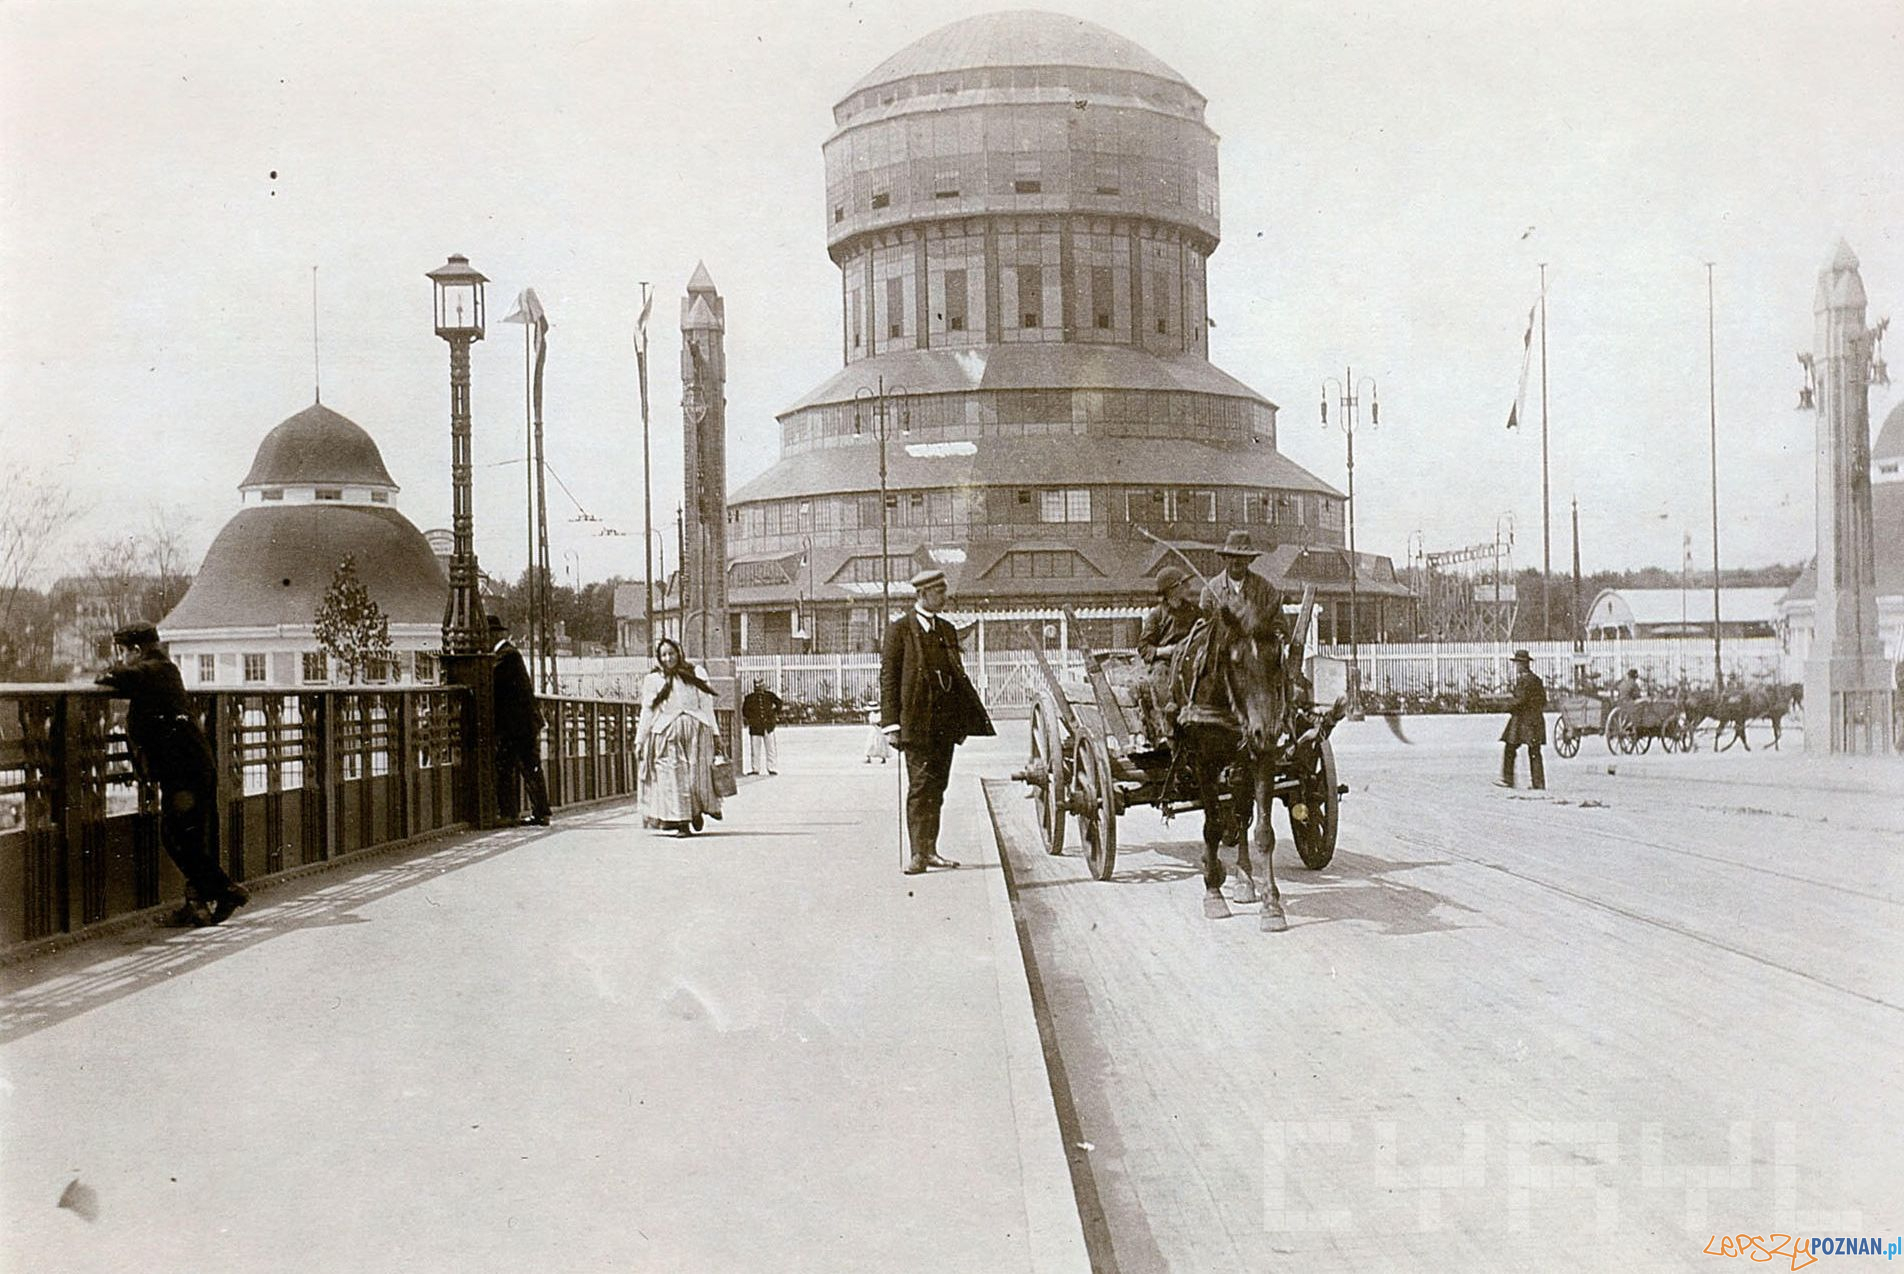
point(1437, 667)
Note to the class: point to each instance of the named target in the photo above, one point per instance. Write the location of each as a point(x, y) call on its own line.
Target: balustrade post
point(475, 673)
point(227, 806)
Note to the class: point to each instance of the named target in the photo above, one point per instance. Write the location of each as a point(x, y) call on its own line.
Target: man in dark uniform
point(169, 749)
point(518, 727)
point(1163, 631)
point(760, 713)
point(1526, 723)
point(927, 707)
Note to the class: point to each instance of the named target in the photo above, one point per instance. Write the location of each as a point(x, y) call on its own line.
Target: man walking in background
point(1526, 723)
point(927, 706)
point(518, 728)
point(170, 750)
point(760, 713)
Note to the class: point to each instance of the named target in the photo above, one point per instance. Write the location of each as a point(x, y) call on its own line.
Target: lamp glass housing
point(459, 299)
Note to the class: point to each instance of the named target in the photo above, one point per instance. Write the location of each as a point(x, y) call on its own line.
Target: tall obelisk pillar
point(704, 477)
point(1847, 682)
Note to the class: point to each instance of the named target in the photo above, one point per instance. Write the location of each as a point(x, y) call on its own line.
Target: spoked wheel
point(1048, 754)
point(1669, 735)
point(1566, 740)
point(1312, 819)
point(1615, 728)
point(1688, 732)
point(1642, 742)
point(1096, 806)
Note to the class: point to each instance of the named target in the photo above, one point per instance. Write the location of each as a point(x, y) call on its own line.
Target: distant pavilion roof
point(1647, 607)
point(318, 446)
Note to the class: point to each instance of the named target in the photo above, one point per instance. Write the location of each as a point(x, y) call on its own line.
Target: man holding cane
point(927, 707)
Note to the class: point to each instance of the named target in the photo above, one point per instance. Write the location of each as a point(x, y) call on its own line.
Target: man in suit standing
point(1526, 723)
point(760, 713)
point(518, 726)
point(170, 750)
point(927, 707)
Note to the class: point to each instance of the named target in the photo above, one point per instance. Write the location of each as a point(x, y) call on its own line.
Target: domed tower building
point(1022, 207)
point(317, 491)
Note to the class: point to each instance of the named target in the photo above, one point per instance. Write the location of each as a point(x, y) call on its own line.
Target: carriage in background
point(1629, 726)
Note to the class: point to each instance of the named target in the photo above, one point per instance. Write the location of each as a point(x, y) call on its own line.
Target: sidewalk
point(582, 1048)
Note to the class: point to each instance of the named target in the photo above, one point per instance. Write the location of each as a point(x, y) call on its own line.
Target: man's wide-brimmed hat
point(140, 634)
point(497, 624)
point(1169, 578)
point(1522, 657)
point(927, 578)
point(1237, 544)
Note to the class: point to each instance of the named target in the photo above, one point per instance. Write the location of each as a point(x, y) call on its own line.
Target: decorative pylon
point(1847, 681)
point(704, 466)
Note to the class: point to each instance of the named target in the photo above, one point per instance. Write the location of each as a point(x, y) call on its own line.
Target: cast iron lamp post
point(1350, 398)
point(878, 397)
point(459, 320)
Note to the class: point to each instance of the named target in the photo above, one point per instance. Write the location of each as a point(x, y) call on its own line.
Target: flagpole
point(647, 494)
point(528, 480)
point(1712, 407)
point(1546, 507)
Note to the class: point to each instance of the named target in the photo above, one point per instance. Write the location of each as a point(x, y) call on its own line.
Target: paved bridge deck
point(582, 1048)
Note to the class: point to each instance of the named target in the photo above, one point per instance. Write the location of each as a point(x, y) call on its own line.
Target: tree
point(34, 514)
point(349, 625)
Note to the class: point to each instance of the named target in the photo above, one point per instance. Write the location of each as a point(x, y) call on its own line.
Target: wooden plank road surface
point(1585, 1029)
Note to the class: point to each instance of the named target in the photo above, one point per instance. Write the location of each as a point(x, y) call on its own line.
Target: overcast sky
point(172, 172)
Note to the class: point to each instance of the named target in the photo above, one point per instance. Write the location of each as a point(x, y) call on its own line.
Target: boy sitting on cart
point(1164, 630)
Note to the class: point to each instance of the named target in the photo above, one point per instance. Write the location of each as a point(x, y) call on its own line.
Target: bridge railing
point(304, 777)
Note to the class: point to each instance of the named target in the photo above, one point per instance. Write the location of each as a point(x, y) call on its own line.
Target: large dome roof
point(318, 445)
point(272, 564)
point(1018, 37)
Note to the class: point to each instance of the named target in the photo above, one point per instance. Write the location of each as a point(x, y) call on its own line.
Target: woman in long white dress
point(675, 744)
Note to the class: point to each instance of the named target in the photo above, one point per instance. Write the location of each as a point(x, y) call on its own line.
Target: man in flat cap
point(518, 728)
point(1163, 630)
point(170, 750)
point(927, 707)
point(1526, 723)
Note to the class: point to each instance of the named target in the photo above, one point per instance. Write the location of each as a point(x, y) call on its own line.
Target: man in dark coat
point(518, 727)
point(1526, 723)
point(170, 750)
point(1164, 630)
point(1241, 590)
point(927, 707)
point(760, 713)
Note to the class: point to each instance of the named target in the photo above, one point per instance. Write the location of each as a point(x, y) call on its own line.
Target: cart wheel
point(1615, 727)
point(1314, 833)
point(1566, 742)
point(1046, 749)
point(1642, 742)
point(1097, 807)
point(1669, 735)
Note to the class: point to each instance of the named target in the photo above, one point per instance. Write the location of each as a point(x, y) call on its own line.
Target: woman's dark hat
point(1169, 578)
point(1237, 544)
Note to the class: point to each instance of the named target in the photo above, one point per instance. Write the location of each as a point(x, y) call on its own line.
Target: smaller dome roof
point(272, 565)
point(1890, 443)
point(318, 445)
point(1018, 37)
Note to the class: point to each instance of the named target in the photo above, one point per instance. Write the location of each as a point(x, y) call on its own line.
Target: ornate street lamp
point(1350, 398)
point(459, 320)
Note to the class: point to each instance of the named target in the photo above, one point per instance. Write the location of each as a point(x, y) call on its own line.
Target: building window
point(955, 300)
point(272, 493)
point(1070, 505)
point(1101, 297)
point(895, 307)
point(207, 669)
point(882, 200)
point(1030, 295)
point(839, 213)
point(329, 493)
point(254, 669)
point(1254, 506)
point(316, 668)
point(1109, 190)
point(1024, 187)
point(380, 497)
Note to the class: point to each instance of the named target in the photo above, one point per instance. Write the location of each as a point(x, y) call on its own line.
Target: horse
point(1737, 705)
point(1230, 676)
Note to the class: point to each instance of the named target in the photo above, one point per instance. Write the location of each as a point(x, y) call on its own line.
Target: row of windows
point(938, 184)
point(1020, 412)
point(323, 493)
point(1073, 79)
point(1152, 506)
point(314, 668)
